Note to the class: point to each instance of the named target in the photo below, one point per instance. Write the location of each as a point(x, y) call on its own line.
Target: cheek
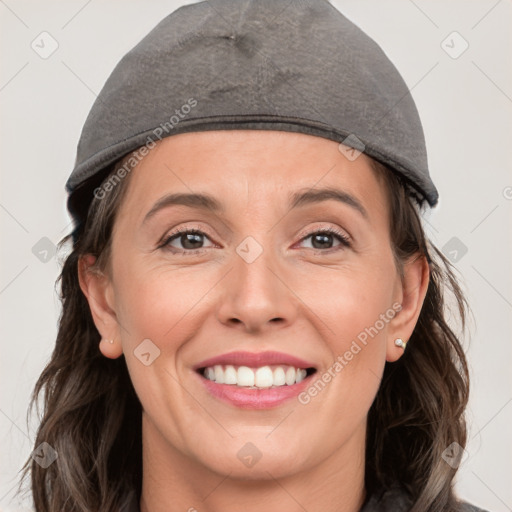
point(354, 313)
point(357, 300)
point(164, 306)
point(160, 303)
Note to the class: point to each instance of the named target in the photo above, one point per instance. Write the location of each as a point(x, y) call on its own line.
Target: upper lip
point(255, 359)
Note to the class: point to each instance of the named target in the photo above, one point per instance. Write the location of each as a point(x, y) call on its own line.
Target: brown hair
point(419, 408)
point(92, 415)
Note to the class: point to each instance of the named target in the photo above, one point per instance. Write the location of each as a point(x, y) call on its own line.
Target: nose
point(257, 296)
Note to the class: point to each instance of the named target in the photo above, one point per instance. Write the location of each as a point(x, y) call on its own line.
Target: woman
point(264, 275)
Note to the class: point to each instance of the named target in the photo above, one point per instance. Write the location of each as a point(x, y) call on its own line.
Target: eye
point(190, 239)
point(321, 239)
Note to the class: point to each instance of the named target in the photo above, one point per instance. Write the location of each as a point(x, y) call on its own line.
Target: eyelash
point(344, 239)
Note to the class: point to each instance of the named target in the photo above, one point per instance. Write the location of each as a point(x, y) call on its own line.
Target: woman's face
point(262, 275)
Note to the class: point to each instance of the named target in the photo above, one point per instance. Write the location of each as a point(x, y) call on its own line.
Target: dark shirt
point(394, 500)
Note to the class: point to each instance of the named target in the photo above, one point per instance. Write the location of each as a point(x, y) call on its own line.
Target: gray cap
point(298, 66)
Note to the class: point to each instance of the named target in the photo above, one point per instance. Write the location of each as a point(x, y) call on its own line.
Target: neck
point(173, 482)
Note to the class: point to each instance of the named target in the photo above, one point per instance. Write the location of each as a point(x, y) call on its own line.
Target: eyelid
point(329, 228)
point(174, 233)
point(343, 237)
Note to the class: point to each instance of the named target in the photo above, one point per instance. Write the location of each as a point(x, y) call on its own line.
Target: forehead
point(259, 166)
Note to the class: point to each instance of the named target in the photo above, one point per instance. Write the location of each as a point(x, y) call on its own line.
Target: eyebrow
point(310, 196)
point(296, 200)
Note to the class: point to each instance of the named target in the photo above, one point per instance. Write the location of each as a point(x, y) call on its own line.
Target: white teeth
point(291, 374)
point(245, 376)
point(219, 374)
point(279, 377)
point(210, 373)
point(263, 377)
point(230, 375)
point(301, 375)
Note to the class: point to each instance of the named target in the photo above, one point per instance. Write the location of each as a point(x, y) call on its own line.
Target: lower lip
point(247, 398)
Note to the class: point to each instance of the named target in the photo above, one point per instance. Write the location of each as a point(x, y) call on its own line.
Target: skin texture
point(295, 298)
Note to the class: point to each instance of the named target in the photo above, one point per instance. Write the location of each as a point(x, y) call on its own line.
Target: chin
point(256, 458)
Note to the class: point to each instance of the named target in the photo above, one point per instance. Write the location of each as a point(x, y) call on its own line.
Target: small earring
point(399, 342)
point(107, 341)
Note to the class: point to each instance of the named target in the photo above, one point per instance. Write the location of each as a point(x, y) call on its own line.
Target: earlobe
point(414, 285)
point(110, 348)
point(96, 287)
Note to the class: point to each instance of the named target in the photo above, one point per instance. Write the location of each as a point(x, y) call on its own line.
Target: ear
point(97, 288)
point(411, 292)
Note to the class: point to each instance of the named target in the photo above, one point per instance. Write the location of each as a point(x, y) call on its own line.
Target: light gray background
point(465, 105)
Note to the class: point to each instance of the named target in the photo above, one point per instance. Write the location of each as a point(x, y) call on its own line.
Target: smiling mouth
point(263, 377)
